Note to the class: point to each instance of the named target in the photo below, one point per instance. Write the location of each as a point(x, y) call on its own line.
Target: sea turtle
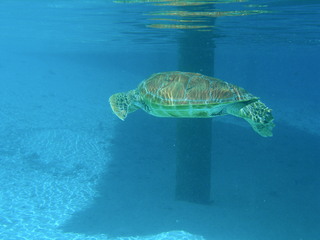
point(193, 95)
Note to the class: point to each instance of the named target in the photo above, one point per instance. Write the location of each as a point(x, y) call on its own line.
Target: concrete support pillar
point(194, 139)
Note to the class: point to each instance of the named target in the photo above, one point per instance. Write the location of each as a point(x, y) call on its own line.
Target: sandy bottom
point(71, 170)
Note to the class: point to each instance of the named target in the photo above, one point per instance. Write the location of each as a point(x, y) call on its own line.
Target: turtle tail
point(259, 116)
point(122, 104)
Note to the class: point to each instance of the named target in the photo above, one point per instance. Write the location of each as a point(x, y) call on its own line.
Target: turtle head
point(123, 103)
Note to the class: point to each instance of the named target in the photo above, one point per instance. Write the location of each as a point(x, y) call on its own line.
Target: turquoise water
point(71, 170)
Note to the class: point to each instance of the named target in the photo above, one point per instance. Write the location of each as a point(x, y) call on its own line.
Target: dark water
point(71, 170)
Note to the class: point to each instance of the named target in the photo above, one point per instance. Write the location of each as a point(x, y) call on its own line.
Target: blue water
point(70, 169)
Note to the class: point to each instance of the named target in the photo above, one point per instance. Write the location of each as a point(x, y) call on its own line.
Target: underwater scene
point(159, 120)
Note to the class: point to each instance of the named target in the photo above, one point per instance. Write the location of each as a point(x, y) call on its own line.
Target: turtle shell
point(191, 89)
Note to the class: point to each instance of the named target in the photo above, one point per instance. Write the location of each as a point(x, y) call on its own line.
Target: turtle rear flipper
point(119, 105)
point(122, 104)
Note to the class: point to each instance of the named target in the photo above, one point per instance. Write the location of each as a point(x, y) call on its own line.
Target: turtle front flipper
point(122, 104)
point(259, 117)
